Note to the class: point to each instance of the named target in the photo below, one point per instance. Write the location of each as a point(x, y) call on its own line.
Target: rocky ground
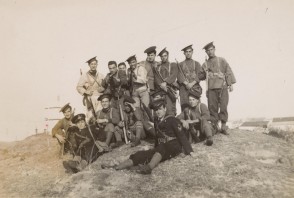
point(243, 164)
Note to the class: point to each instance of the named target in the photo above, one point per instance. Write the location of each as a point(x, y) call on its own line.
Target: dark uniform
point(200, 112)
point(82, 142)
point(116, 85)
point(167, 72)
point(220, 76)
point(170, 139)
point(189, 71)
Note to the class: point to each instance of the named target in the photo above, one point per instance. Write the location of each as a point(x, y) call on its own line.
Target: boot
point(136, 142)
point(224, 129)
point(209, 141)
point(145, 170)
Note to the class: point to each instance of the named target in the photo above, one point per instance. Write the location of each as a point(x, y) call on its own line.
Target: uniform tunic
point(139, 89)
point(199, 112)
point(83, 144)
point(220, 76)
point(170, 128)
point(168, 72)
point(113, 117)
point(94, 83)
point(150, 76)
point(192, 72)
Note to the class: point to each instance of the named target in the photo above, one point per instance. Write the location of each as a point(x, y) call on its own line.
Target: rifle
point(171, 92)
point(148, 112)
point(131, 80)
point(206, 80)
point(122, 118)
point(192, 132)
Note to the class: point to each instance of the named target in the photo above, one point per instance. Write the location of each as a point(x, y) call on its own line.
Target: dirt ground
point(243, 164)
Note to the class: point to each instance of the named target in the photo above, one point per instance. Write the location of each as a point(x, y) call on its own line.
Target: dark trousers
point(218, 100)
point(167, 150)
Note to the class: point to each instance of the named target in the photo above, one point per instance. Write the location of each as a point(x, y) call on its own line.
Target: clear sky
point(44, 44)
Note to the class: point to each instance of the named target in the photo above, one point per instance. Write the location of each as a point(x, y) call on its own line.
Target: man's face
point(188, 53)
point(93, 65)
point(67, 113)
point(164, 57)
point(151, 57)
point(112, 68)
point(127, 107)
point(193, 101)
point(133, 64)
point(122, 67)
point(105, 103)
point(210, 52)
point(81, 124)
point(160, 112)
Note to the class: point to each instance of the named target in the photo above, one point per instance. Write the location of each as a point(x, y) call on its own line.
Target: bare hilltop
point(243, 164)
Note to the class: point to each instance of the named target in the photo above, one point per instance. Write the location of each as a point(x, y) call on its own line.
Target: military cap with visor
point(65, 107)
point(78, 118)
point(186, 48)
point(100, 98)
point(91, 60)
point(155, 105)
point(150, 50)
point(194, 94)
point(209, 45)
point(162, 52)
point(129, 99)
point(131, 58)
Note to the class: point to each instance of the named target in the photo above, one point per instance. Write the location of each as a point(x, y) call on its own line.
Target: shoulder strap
point(169, 69)
point(200, 108)
point(110, 113)
point(95, 80)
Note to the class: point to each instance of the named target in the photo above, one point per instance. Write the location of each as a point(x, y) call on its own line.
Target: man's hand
point(163, 86)
point(60, 138)
point(89, 93)
point(121, 124)
point(192, 121)
point(185, 124)
point(190, 85)
point(231, 88)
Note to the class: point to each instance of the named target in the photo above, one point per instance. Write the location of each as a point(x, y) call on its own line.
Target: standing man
point(189, 76)
point(220, 78)
point(149, 65)
point(90, 86)
point(60, 130)
point(196, 118)
point(138, 82)
point(165, 79)
point(115, 83)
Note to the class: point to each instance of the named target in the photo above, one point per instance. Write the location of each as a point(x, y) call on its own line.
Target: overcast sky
point(44, 44)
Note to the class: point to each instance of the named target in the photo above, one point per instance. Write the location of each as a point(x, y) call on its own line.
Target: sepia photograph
point(147, 99)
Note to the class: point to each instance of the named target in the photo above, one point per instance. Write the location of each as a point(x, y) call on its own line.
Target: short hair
point(122, 63)
point(112, 63)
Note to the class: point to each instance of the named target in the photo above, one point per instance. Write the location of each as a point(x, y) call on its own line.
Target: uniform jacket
point(168, 72)
point(94, 83)
point(112, 114)
point(199, 112)
point(150, 76)
point(220, 73)
point(61, 127)
point(170, 127)
point(192, 71)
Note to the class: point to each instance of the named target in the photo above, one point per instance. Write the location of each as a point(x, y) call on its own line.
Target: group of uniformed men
point(140, 102)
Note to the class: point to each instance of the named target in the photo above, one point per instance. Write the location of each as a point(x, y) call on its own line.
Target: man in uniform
point(149, 65)
point(61, 129)
point(132, 121)
point(107, 119)
point(115, 83)
point(83, 145)
point(90, 86)
point(196, 118)
point(138, 80)
point(165, 79)
point(220, 78)
point(189, 75)
point(171, 142)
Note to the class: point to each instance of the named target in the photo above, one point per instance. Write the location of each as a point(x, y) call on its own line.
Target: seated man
point(132, 121)
point(107, 119)
point(171, 141)
point(196, 118)
point(84, 148)
point(61, 129)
